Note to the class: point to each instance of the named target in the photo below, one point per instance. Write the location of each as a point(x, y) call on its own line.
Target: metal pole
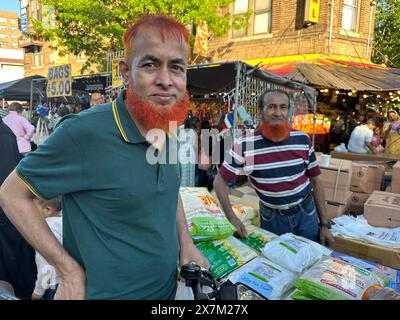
point(331, 25)
point(370, 27)
point(30, 105)
point(238, 71)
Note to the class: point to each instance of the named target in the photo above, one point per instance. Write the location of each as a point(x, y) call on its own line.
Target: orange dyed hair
point(166, 26)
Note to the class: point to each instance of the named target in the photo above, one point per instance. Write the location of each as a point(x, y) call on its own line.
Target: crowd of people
point(119, 228)
point(373, 135)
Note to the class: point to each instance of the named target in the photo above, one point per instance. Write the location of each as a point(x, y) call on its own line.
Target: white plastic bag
point(293, 252)
point(264, 277)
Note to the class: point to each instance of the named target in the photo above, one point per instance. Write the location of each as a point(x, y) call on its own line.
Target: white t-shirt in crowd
point(47, 276)
point(358, 138)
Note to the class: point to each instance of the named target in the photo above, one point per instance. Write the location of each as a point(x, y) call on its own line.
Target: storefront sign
point(116, 74)
point(311, 13)
point(59, 81)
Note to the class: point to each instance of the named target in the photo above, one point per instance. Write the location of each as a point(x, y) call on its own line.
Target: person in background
point(17, 257)
point(391, 130)
point(124, 230)
point(378, 140)
point(96, 98)
point(361, 138)
point(21, 127)
point(47, 278)
point(283, 169)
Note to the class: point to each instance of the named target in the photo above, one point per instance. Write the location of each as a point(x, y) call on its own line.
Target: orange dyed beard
point(152, 116)
point(275, 132)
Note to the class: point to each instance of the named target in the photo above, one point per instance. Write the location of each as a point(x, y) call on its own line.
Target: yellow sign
point(311, 11)
point(59, 81)
point(116, 74)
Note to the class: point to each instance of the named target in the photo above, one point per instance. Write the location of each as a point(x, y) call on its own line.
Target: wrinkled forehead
point(275, 97)
point(154, 35)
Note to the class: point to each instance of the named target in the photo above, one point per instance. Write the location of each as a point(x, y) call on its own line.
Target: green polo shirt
point(119, 211)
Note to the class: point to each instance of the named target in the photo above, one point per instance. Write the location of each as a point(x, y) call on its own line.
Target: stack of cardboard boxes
point(366, 178)
point(336, 178)
point(396, 178)
point(348, 185)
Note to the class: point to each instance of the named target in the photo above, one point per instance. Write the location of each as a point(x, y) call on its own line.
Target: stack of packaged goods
point(205, 219)
point(334, 279)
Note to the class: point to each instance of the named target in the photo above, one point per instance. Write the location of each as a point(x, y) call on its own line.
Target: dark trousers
point(17, 259)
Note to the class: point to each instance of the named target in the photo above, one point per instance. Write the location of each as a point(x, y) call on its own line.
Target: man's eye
point(178, 68)
point(149, 65)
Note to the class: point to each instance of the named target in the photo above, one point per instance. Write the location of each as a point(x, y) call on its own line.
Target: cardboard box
point(336, 180)
point(396, 188)
point(396, 175)
point(370, 252)
point(367, 178)
point(335, 209)
point(355, 204)
point(382, 209)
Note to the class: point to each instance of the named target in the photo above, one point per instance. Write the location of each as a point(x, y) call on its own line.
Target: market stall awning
point(219, 77)
point(333, 72)
point(18, 89)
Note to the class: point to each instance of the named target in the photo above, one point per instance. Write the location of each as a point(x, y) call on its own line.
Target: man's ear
point(124, 70)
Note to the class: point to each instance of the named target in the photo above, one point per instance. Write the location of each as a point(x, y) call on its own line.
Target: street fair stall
point(272, 267)
point(234, 87)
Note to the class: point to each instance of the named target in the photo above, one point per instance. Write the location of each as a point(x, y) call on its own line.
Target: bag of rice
point(205, 219)
point(257, 237)
point(335, 279)
point(264, 277)
point(293, 252)
point(300, 295)
point(225, 255)
point(247, 215)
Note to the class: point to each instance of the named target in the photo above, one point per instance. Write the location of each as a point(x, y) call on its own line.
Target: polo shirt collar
point(127, 127)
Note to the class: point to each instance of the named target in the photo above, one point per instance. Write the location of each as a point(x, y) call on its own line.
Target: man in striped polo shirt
point(282, 168)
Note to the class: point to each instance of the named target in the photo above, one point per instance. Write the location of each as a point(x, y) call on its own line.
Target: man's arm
point(371, 147)
point(17, 202)
point(319, 197)
point(188, 251)
point(222, 190)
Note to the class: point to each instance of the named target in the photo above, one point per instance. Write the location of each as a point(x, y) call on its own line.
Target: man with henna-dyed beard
point(124, 225)
point(283, 170)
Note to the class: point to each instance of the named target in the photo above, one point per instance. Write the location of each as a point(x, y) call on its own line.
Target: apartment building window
point(3, 44)
point(14, 36)
point(13, 21)
point(259, 21)
point(3, 19)
point(37, 57)
point(3, 28)
point(350, 13)
point(3, 36)
point(13, 28)
point(14, 44)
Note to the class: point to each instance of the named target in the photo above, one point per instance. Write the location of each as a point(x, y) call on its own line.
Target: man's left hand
point(192, 254)
point(325, 237)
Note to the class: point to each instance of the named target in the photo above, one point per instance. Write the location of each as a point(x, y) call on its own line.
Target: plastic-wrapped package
point(293, 252)
point(335, 279)
point(265, 277)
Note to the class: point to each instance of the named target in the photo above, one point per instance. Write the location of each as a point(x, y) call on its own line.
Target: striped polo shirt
point(278, 171)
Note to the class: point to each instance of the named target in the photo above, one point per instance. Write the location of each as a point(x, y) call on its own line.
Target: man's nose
point(164, 78)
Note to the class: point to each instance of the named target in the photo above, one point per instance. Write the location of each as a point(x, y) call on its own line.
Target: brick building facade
point(274, 30)
point(11, 57)
point(40, 55)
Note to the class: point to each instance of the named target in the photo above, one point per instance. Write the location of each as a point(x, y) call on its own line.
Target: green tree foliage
point(387, 33)
point(95, 27)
